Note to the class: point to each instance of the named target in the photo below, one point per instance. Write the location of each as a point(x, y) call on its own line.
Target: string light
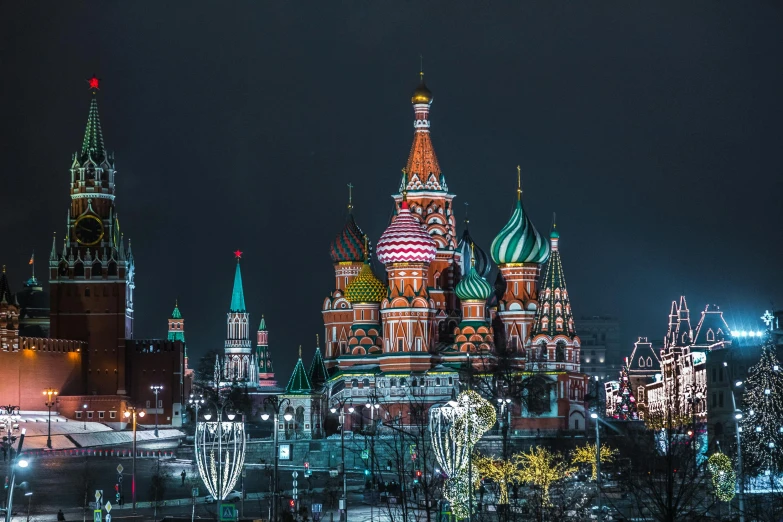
point(723, 476)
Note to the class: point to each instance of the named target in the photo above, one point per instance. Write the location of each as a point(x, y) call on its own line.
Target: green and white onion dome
point(365, 287)
point(519, 241)
point(473, 287)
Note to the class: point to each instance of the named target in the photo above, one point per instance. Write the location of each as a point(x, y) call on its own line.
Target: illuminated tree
point(541, 468)
point(625, 409)
point(502, 472)
point(586, 455)
point(723, 477)
point(762, 424)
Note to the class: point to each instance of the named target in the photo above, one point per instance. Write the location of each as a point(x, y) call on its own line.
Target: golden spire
point(300, 351)
point(317, 340)
point(350, 197)
point(519, 183)
point(472, 254)
point(366, 249)
point(405, 186)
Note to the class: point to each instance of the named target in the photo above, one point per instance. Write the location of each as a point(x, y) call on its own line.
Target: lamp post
point(51, 397)
point(156, 389)
point(504, 419)
point(196, 401)
point(340, 405)
point(594, 416)
point(274, 403)
point(29, 496)
point(15, 462)
point(84, 409)
point(132, 411)
point(737, 431)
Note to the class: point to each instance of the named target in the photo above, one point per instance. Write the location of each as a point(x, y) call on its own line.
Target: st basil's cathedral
point(406, 344)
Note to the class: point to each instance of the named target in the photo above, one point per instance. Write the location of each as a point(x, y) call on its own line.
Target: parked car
point(234, 496)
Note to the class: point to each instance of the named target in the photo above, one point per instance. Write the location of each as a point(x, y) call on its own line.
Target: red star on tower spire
point(94, 82)
point(238, 254)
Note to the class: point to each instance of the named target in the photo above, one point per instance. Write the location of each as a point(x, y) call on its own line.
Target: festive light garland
point(723, 477)
point(211, 438)
point(454, 430)
point(586, 455)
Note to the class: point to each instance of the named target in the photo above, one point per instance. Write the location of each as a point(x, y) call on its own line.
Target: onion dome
point(519, 241)
point(349, 243)
point(473, 287)
point(405, 240)
point(422, 94)
point(481, 259)
point(365, 287)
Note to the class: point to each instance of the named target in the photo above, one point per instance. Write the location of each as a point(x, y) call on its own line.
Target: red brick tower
point(92, 278)
point(431, 203)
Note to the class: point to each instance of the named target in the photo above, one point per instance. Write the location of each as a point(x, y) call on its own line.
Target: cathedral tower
point(266, 374)
point(92, 277)
point(408, 312)
point(431, 203)
point(519, 251)
point(177, 330)
point(348, 255)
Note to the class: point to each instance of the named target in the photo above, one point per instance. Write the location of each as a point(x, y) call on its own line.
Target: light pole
point(16, 462)
point(196, 401)
point(132, 411)
point(29, 496)
point(156, 388)
point(737, 430)
point(594, 416)
point(51, 397)
point(274, 403)
point(340, 405)
point(504, 405)
point(84, 408)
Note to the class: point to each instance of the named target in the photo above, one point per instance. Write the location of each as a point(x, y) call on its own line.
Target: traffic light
point(416, 476)
point(307, 471)
point(292, 504)
point(366, 472)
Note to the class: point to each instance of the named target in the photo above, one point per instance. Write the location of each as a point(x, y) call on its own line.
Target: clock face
point(88, 230)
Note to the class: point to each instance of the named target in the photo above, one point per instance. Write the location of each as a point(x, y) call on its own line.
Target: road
point(60, 483)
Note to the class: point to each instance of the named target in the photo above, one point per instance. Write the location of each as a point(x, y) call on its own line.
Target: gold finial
point(554, 220)
point(421, 67)
point(300, 351)
point(404, 186)
point(176, 303)
point(317, 340)
point(519, 183)
point(4, 269)
point(467, 219)
point(472, 254)
point(350, 197)
point(366, 249)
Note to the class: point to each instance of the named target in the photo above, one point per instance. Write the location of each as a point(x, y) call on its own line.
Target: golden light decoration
point(723, 477)
point(586, 455)
point(502, 472)
point(542, 468)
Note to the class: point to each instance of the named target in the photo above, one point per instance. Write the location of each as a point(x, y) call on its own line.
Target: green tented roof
point(299, 383)
point(318, 373)
point(92, 146)
point(238, 295)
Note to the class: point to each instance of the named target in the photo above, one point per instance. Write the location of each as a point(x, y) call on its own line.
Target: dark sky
point(653, 129)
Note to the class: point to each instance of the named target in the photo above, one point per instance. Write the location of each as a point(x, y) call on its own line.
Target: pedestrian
point(60, 515)
point(183, 475)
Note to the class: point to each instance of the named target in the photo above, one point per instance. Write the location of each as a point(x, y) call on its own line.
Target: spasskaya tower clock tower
point(91, 273)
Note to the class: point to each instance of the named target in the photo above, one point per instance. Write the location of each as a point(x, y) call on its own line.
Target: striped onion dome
point(519, 241)
point(473, 287)
point(365, 287)
point(483, 264)
point(405, 241)
point(349, 243)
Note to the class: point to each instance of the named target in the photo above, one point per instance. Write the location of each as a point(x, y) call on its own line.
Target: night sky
point(653, 129)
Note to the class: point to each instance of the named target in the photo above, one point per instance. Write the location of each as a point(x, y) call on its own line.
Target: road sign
point(295, 492)
point(97, 516)
point(98, 494)
point(296, 483)
point(194, 492)
point(317, 508)
point(365, 454)
point(119, 468)
point(228, 512)
point(295, 474)
point(108, 507)
point(108, 517)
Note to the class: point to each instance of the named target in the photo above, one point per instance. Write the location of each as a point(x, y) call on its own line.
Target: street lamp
point(196, 401)
point(134, 412)
point(84, 408)
point(594, 416)
point(340, 405)
point(737, 430)
point(29, 496)
point(504, 419)
point(15, 462)
point(274, 403)
point(51, 397)
point(156, 388)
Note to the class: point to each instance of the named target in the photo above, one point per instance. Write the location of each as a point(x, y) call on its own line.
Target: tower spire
point(92, 145)
point(519, 183)
point(350, 197)
point(238, 294)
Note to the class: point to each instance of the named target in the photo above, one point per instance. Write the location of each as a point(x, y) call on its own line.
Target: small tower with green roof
point(240, 362)
point(302, 404)
point(266, 374)
point(177, 329)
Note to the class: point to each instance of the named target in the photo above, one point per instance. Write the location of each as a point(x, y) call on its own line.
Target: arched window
point(560, 350)
point(113, 269)
point(710, 335)
point(649, 362)
point(641, 362)
point(78, 270)
point(97, 271)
